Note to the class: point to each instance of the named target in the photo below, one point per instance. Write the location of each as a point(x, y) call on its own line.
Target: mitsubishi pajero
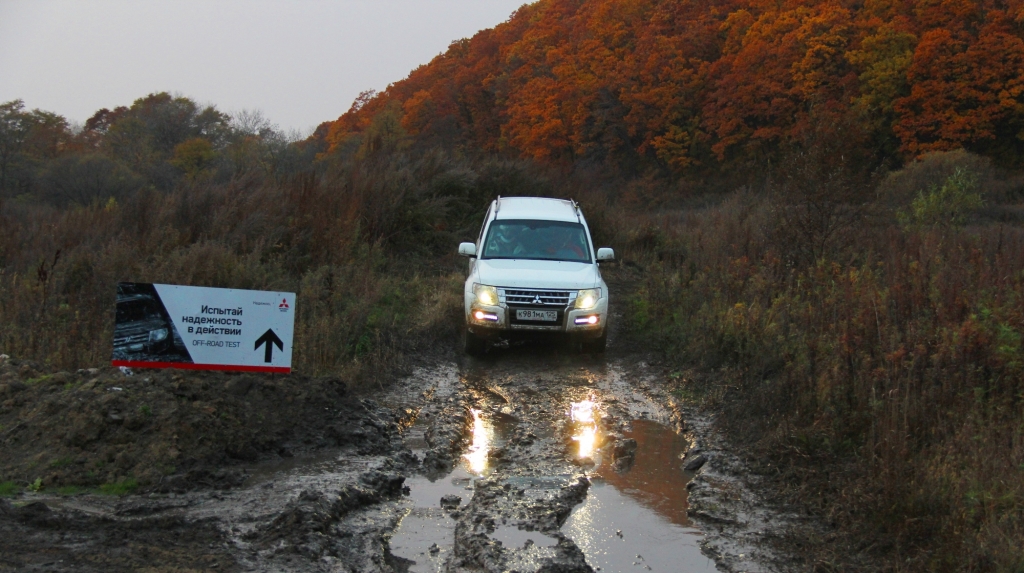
point(534, 270)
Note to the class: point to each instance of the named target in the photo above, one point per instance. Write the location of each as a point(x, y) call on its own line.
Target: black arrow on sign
point(270, 339)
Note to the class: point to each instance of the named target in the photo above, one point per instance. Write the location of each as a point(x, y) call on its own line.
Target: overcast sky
point(300, 62)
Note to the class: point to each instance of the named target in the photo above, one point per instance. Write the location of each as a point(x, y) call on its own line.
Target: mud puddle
point(424, 539)
point(297, 467)
point(637, 519)
point(564, 465)
point(526, 461)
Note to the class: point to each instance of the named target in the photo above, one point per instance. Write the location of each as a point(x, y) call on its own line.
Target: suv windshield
point(538, 240)
point(136, 307)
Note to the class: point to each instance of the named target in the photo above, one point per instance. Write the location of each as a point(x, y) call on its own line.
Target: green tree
point(256, 144)
point(385, 135)
point(13, 131)
point(169, 121)
point(882, 61)
point(82, 178)
point(194, 157)
point(947, 205)
point(27, 140)
point(129, 141)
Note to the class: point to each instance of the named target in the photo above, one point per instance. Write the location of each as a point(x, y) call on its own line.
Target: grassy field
point(367, 249)
point(863, 333)
point(874, 351)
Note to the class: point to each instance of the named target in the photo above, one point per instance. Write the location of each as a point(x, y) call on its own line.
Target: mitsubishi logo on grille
point(537, 300)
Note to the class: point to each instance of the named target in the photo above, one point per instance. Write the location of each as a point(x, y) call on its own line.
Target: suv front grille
point(131, 339)
point(528, 297)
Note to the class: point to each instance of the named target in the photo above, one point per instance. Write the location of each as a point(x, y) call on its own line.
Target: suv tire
point(596, 345)
point(474, 345)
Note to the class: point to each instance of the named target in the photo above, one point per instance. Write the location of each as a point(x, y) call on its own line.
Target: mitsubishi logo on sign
point(537, 300)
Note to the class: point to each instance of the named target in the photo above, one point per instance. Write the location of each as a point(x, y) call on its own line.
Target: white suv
point(533, 269)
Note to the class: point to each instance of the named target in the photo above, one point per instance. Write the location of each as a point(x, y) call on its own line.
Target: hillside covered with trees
point(694, 85)
point(158, 142)
point(819, 208)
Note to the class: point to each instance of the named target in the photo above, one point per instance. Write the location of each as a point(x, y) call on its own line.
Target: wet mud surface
point(171, 431)
point(530, 459)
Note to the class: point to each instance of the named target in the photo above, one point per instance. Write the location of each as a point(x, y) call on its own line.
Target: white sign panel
point(199, 328)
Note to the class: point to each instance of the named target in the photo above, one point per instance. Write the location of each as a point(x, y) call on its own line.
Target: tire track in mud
point(568, 465)
point(528, 460)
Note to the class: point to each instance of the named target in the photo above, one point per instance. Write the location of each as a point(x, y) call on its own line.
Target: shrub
point(122, 487)
point(84, 179)
point(896, 358)
point(947, 205)
point(9, 488)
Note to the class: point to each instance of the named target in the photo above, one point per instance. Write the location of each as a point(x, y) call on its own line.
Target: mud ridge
point(172, 431)
point(305, 526)
point(448, 435)
point(529, 461)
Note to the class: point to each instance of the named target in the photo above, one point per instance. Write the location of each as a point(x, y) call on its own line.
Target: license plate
point(544, 315)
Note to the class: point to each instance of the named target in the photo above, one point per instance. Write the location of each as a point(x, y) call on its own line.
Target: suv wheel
point(596, 345)
point(474, 345)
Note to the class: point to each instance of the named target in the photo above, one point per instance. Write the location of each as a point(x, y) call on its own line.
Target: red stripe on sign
point(188, 366)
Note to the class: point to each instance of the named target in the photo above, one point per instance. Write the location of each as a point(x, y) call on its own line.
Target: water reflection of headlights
point(582, 413)
point(586, 438)
point(478, 450)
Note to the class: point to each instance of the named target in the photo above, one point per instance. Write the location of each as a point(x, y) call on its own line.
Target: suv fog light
point(587, 319)
point(481, 315)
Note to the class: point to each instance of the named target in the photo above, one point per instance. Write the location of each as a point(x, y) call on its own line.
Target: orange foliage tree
point(678, 85)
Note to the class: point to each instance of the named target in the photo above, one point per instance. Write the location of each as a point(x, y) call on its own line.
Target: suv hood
point(521, 273)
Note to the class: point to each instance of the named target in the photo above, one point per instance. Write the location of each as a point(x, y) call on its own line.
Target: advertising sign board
point(200, 328)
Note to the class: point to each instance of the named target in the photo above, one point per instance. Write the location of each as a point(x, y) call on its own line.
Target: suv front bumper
point(498, 320)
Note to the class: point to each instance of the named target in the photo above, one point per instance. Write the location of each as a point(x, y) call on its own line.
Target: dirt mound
point(170, 430)
point(448, 437)
point(308, 526)
point(36, 538)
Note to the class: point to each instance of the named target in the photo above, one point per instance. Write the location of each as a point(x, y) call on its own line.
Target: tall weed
point(898, 356)
point(367, 247)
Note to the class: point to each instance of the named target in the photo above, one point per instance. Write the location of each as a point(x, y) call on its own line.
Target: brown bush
point(884, 373)
point(365, 249)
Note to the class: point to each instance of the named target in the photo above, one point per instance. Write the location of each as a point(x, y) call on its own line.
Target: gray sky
point(300, 62)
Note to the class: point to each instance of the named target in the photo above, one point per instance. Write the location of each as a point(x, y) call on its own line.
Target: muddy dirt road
point(566, 467)
point(529, 459)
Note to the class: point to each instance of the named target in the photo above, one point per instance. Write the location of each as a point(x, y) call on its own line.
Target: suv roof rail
point(576, 208)
point(497, 204)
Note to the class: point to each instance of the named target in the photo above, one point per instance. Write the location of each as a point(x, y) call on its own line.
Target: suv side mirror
point(605, 254)
point(467, 249)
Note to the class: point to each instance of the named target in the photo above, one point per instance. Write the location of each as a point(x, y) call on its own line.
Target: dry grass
point(881, 364)
point(366, 293)
point(895, 356)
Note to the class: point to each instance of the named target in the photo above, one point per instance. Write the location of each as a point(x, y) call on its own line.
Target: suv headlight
point(485, 294)
point(587, 298)
point(158, 335)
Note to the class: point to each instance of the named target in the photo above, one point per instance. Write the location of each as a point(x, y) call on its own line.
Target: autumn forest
point(817, 205)
point(683, 85)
